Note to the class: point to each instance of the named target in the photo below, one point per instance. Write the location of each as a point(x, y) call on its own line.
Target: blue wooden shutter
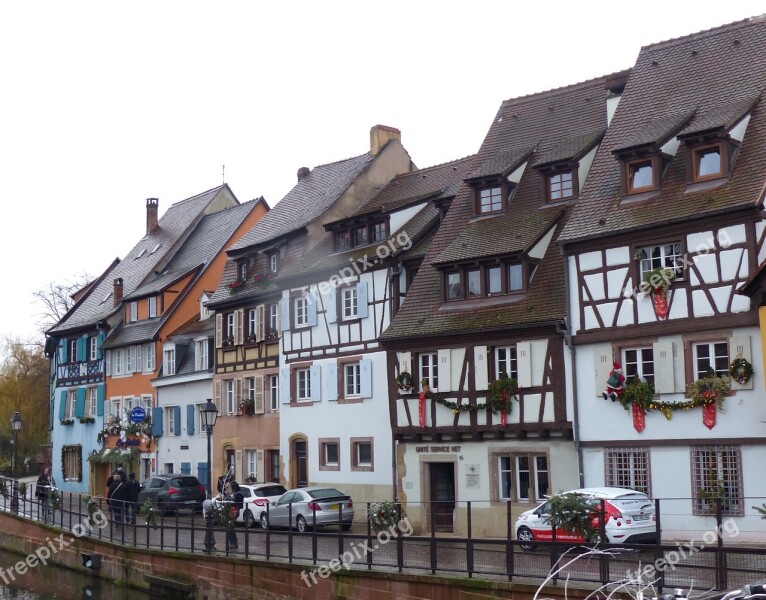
point(311, 310)
point(62, 406)
point(284, 385)
point(365, 376)
point(332, 381)
point(177, 419)
point(157, 421)
point(79, 406)
point(100, 394)
point(285, 314)
point(315, 373)
point(82, 346)
point(361, 299)
point(202, 474)
point(191, 412)
point(99, 343)
point(185, 468)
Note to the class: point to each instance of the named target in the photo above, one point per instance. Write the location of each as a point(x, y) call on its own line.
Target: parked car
point(331, 507)
point(172, 491)
point(630, 519)
point(257, 497)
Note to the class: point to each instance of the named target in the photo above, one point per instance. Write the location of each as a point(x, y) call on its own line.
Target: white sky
point(105, 104)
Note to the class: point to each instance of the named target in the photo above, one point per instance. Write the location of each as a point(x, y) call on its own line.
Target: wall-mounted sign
point(472, 479)
point(436, 449)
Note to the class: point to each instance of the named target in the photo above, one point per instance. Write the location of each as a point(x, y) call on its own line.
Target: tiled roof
point(656, 131)
point(500, 163)
point(140, 261)
point(721, 117)
point(133, 333)
point(571, 148)
point(543, 121)
point(703, 72)
point(310, 197)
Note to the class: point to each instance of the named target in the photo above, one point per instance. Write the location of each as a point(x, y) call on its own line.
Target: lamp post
point(16, 427)
point(209, 414)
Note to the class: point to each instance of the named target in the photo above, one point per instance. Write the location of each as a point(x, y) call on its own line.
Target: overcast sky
point(105, 104)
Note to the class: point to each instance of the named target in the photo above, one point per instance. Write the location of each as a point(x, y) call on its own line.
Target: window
point(130, 354)
point(185, 468)
point(711, 356)
point(494, 281)
point(360, 236)
point(640, 175)
point(489, 200)
point(531, 477)
point(351, 380)
point(378, 231)
point(72, 350)
point(118, 366)
point(485, 281)
point(71, 403)
point(627, 468)
point(717, 473)
point(300, 308)
point(133, 307)
point(252, 464)
point(454, 289)
point(169, 360)
point(707, 163)
point(639, 362)
point(342, 241)
point(252, 324)
point(242, 270)
point(429, 370)
point(230, 325)
point(515, 279)
point(170, 421)
point(303, 384)
point(149, 357)
point(505, 362)
point(560, 186)
point(92, 402)
point(249, 388)
point(231, 400)
point(152, 306)
point(116, 408)
point(362, 454)
point(93, 348)
point(71, 463)
point(329, 454)
point(273, 383)
point(273, 323)
point(273, 262)
point(349, 300)
point(505, 476)
point(473, 279)
point(665, 256)
point(201, 354)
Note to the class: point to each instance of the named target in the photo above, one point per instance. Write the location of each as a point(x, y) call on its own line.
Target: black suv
point(172, 491)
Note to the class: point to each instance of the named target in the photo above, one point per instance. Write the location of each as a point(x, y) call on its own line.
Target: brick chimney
point(303, 172)
point(151, 214)
point(117, 291)
point(380, 135)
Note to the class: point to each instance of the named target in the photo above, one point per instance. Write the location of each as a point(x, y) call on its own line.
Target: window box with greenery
point(247, 407)
point(263, 279)
point(67, 421)
point(87, 420)
point(235, 286)
point(227, 342)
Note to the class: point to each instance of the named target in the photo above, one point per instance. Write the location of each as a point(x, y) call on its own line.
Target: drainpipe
point(573, 353)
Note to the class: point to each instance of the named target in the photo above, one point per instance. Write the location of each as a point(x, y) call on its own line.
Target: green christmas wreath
point(740, 370)
point(404, 380)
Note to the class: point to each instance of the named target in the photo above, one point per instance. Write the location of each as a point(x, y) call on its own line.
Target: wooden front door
point(442, 483)
point(300, 463)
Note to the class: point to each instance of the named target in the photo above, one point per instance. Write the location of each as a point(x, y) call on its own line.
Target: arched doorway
point(299, 462)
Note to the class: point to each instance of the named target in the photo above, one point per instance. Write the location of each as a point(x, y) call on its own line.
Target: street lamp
point(209, 414)
point(16, 427)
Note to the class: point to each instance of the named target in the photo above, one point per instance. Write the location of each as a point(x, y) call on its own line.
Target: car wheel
point(301, 524)
point(264, 521)
point(249, 519)
point(525, 535)
point(162, 508)
point(346, 526)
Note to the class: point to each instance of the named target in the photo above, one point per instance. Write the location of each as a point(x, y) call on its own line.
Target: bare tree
point(57, 298)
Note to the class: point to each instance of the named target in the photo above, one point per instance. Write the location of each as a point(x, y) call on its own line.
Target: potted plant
point(235, 286)
point(150, 513)
point(657, 283)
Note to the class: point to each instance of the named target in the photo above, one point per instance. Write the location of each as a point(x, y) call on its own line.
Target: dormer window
point(361, 235)
point(641, 175)
point(379, 231)
point(560, 186)
point(489, 200)
point(242, 270)
point(496, 279)
point(273, 262)
point(342, 241)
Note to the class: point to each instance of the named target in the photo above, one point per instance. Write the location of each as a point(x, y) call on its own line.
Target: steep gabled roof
point(716, 77)
point(141, 261)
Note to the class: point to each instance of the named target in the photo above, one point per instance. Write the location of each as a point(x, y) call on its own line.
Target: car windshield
point(325, 493)
point(182, 482)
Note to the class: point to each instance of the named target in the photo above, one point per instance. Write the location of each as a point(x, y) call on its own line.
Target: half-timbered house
point(482, 332)
point(668, 228)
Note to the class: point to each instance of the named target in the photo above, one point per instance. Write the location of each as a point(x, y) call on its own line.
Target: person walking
point(46, 487)
point(117, 497)
point(132, 506)
point(234, 502)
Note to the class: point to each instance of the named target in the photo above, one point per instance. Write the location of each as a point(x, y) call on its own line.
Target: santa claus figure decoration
point(615, 385)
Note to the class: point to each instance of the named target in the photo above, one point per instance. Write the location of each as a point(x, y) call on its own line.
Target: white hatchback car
point(630, 519)
point(256, 498)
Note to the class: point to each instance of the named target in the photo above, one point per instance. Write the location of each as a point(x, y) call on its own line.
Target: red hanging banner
point(708, 415)
point(503, 418)
point(660, 302)
point(422, 408)
point(639, 418)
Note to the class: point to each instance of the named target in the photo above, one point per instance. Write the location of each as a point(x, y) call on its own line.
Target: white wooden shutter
point(260, 312)
point(481, 374)
point(260, 468)
point(218, 330)
point(108, 367)
point(239, 325)
point(316, 382)
point(139, 358)
point(524, 364)
point(602, 357)
point(740, 345)
point(284, 385)
point(331, 305)
point(259, 404)
point(365, 376)
point(332, 381)
point(237, 393)
point(279, 316)
point(664, 369)
point(217, 396)
point(445, 370)
point(284, 314)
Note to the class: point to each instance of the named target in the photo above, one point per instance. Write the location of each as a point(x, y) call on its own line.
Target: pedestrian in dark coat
point(117, 497)
point(132, 507)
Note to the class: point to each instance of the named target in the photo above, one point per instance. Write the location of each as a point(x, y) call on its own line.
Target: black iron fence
point(713, 561)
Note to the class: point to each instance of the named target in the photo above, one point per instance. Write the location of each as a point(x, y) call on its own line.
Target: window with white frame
point(303, 384)
point(130, 353)
point(666, 256)
point(204, 311)
point(506, 362)
point(717, 477)
point(352, 380)
point(252, 320)
point(349, 303)
point(133, 306)
point(300, 309)
point(249, 388)
point(252, 464)
point(152, 306)
point(73, 350)
point(201, 354)
point(169, 360)
point(146, 403)
point(93, 348)
point(628, 468)
point(71, 403)
point(231, 400)
point(230, 326)
point(273, 262)
point(639, 362)
point(505, 477)
point(273, 328)
point(329, 454)
point(118, 364)
point(116, 410)
point(362, 454)
point(273, 383)
point(92, 402)
point(711, 356)
point(429, 370)
point(170, 421)
point(531, 477)
point(149, 357)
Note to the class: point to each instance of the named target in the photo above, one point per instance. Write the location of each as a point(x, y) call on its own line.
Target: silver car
point(303, 505)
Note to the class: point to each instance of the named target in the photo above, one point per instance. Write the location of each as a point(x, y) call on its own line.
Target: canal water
point(46, 582)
